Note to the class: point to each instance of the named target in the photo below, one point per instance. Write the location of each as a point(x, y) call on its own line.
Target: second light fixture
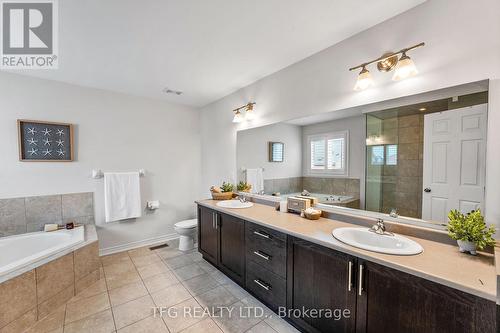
point(404, 67)
point(248, 113)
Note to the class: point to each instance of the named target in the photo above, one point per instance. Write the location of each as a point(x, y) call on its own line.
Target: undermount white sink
point(367, 240)
point(234, 204)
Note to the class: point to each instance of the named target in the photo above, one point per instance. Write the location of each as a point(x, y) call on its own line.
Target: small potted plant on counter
point(243, 187)
point(224, 192)
point(470, 231)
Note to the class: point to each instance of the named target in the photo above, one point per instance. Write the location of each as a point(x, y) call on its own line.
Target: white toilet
point(186, 229)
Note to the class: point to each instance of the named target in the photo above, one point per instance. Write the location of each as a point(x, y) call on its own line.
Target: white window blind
point(391, 155)
point(318, 158)
point(384, 154)
point(378, 153)
point(328, 153)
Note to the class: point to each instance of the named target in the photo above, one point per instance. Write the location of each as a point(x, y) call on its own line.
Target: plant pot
point(466, 246)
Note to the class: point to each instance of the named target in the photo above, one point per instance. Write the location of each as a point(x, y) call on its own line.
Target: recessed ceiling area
point(206, 49)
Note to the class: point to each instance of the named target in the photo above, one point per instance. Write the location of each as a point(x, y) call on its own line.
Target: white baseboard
point(133, 245)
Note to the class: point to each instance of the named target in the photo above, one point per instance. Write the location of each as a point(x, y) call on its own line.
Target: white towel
point(255, 178)
point(122, 196)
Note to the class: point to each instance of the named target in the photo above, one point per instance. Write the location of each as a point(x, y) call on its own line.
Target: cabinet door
point(207, 234)
point(393, 301)
point(321, 279)
point(232, 247)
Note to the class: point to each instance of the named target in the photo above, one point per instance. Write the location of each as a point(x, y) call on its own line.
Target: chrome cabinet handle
point(262, 255)
point(349, 276)
point(261, 234)
point(216, 221)
point(213, 220)
point(360, 289)
point(262, 284)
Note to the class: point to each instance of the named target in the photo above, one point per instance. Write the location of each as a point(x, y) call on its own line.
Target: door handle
point(216, 221)
point(349, 276)
point(262, 255)
point(427, 190)
point(262, 284)
point(213, 220)
point(360, 289)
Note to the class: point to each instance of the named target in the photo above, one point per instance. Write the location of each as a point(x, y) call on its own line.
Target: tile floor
point(136, 281)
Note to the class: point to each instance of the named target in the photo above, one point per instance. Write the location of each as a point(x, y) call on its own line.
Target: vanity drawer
point(267, 286)
point(259, 232)
point(269, 253)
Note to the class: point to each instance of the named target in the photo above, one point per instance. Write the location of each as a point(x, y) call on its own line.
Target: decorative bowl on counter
point(311, 214)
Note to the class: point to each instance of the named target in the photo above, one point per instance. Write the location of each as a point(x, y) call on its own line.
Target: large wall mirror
point(413, 159)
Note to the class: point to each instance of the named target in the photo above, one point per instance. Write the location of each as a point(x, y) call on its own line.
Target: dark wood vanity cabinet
point(266, 264)
point(221, 240)
point(208, 234)
point(394, 301)
point(287, 272)
point(320, 278)
point(231, 258)
point(379, 299)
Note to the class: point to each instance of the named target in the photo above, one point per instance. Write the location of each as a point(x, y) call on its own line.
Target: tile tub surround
point(439, 262)
point(29, 214)
point(150, 278)
point(326, 185)
point(41, 291)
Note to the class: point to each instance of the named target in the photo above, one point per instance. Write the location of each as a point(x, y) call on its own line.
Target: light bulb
point(237, 117)
point(405, 68)
point(249, 114)
point(364, 80)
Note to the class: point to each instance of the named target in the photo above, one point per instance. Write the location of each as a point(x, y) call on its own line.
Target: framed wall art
point(42, 141)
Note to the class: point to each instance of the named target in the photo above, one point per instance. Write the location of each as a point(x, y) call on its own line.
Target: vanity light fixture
point(249, 112)
point(404, 67)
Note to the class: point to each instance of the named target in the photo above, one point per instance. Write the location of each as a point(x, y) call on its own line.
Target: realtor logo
point(29, 34)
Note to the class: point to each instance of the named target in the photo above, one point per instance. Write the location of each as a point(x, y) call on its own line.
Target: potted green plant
point(470, 231)
point(243, 187)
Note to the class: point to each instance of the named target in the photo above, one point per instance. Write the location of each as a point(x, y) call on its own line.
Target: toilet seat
point(187, 224)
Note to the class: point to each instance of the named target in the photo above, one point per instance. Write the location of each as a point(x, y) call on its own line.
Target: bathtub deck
point(90, 237)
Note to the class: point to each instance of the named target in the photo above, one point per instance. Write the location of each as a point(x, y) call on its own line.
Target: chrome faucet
point(242, 198)
point(379, 228)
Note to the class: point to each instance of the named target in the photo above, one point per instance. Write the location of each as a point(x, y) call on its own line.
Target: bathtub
point(24, 250)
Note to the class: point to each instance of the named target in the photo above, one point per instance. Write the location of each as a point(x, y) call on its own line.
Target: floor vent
point(158, 247)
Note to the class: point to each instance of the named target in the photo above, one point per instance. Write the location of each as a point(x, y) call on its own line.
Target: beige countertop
point(441, 263)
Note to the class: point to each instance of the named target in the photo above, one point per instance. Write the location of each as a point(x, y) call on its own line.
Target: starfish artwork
point(60, 132)
point(60, 152)
point(47, 152)
point(31, 130)
point(46, 131)
point(33, 151)
point(47, 142)
point(60, 142)
point(32, 141)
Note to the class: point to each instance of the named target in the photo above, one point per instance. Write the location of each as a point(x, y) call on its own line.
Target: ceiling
point(207, 49)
